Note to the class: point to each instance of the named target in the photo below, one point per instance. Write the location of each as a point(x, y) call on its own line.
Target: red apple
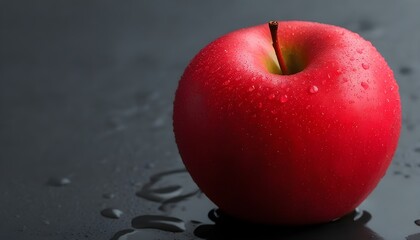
point(298, 148)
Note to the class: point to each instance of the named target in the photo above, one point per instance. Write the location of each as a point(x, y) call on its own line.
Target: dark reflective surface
point(86, 92)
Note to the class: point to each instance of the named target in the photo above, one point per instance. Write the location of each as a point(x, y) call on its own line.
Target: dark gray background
point(86, 91)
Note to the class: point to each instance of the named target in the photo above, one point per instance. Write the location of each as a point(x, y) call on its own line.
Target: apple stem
point(273, 30)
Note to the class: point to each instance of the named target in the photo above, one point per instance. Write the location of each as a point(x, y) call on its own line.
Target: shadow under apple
point(352, 226)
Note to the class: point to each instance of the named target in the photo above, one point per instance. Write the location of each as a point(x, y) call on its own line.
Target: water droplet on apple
point(165, 223)
point(364, 85)
point(313, 89)
point(252, 88)
point(365, 66)
point(112, 213)
point(359, 50)
point(392, 88)
point(283, 99)
point(271, 96)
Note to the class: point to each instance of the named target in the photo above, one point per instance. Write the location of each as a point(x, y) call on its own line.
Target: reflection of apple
point(301, 148)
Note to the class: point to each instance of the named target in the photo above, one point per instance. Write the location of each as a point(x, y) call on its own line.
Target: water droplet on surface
point(58, 182)
point(123, 234)
point(365, 66)
point(313, 89)
point(160, 194)
point(357, 214)
point(271, 96)
point(283, 99)
point(108, 195)
point(112, 213)
point(364, 85)
point(169, 188)
point(252, 88)
point(405, 70)
point(165, 223)
point(168, 204)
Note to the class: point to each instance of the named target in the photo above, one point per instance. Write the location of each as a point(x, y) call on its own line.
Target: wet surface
point(86, 92)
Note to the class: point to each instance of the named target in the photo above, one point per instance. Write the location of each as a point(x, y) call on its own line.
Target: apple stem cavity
point(274, 25)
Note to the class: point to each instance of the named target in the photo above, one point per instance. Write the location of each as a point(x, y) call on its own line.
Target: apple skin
point(295, 149)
